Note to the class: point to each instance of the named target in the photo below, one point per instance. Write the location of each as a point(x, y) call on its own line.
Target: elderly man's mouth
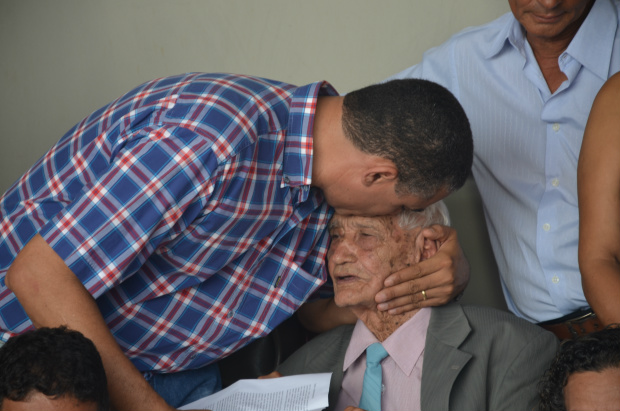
point(345, 278)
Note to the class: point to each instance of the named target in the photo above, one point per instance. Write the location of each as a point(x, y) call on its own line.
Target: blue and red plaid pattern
point(185, 208)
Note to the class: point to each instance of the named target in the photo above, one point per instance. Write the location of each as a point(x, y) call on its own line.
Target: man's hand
point(273, 374)
point(432, 282)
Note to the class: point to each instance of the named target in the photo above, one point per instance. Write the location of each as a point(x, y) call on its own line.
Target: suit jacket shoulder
point(483, 359)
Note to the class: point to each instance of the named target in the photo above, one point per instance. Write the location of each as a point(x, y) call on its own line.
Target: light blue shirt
point(526, 146)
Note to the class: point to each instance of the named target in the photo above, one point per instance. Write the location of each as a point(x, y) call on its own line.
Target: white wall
point(62, 59)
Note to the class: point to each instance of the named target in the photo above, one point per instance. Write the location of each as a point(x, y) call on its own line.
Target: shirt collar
point(297, 162)
point(511, 32)
point(592, 45)
point(404, 346)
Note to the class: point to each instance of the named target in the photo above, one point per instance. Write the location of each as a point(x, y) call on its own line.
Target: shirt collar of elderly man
point(364, 251)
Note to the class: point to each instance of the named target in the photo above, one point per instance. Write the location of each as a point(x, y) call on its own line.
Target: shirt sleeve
point(154, 187)
point(316, 262)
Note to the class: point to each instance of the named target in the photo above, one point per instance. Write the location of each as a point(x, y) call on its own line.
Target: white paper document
point(307, 392)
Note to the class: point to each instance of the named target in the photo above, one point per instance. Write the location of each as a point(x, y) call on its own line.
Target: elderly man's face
point(363, 253)
point(550, 19)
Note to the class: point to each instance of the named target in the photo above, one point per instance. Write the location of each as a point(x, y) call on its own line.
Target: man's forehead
point(357, 222)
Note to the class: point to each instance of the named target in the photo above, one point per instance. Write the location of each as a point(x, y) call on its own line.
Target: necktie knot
point(375, 353)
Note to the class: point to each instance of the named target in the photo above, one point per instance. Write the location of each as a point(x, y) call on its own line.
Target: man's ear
point(386, 173)
point(430, 248)
point(426, 246)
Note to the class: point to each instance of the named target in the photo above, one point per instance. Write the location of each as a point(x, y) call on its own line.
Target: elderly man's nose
point(342, 252)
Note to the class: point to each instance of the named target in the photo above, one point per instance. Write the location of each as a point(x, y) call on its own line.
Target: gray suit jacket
point(475, 358)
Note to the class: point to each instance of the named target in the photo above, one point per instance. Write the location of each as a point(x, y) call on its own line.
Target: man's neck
point(547, 51)
point(382, 324)
point(547, 54)
point(327, 123)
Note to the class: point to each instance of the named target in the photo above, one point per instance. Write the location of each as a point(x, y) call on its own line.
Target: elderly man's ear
point(426, 246)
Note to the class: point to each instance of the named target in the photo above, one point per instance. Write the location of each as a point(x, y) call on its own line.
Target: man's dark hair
point(419, 126)
point(595, 352)
point(56, 362)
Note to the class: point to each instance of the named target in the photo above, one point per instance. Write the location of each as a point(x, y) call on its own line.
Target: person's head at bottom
point(585, 374)
point(52, 369)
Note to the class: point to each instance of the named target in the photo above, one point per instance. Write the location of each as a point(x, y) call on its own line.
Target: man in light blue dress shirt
point(527, 81)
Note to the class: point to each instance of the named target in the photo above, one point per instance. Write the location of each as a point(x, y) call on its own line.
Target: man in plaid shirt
point(188, 217)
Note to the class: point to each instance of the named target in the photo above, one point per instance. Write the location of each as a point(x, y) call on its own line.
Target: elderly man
point(527, 81)
point(445, 358)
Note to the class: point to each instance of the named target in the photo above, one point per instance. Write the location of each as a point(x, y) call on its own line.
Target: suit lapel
point(337, 353)
point(443, 361)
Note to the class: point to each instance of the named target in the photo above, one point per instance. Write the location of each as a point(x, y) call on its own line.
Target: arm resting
point(598, 183)
point(52, 296)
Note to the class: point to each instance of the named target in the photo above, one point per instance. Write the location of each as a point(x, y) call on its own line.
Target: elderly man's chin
point(352, 297)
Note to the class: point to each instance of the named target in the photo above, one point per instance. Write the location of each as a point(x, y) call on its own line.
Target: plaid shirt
point(185, 209)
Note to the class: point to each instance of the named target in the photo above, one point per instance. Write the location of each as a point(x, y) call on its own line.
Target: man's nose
point(550, 4)
point(342, 252)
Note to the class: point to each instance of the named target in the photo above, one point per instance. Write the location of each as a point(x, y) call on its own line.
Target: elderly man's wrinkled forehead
point(386, 224)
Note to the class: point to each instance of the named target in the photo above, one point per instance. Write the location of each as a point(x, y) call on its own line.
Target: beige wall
point(62, 59)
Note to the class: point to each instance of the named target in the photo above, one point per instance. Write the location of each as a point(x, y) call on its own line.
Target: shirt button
point(546, 227)
point(382, 388)
point(555, 279)
point(229, 314)
point(556, 127)
point(555, 182)
point(287, 180)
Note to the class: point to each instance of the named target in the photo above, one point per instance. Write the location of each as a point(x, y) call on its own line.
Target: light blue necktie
point(371, 391)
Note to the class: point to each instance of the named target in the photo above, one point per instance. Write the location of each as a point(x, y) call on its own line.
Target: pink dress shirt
point(402, 369)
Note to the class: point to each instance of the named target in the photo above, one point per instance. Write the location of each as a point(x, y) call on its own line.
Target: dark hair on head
point(419, 126)
point(596, 352)
point(56, 362)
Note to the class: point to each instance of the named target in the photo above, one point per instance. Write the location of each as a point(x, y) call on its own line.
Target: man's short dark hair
point(419, 126)
point(595, 352)
point(56, 362)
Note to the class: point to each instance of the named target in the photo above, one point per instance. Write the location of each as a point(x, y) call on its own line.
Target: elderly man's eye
point(334, 235)
point(368, 237)
point(415, 210)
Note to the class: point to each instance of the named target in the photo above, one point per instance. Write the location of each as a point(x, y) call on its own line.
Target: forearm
point(598, 183)
point(601, 286)
point(52, 296)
